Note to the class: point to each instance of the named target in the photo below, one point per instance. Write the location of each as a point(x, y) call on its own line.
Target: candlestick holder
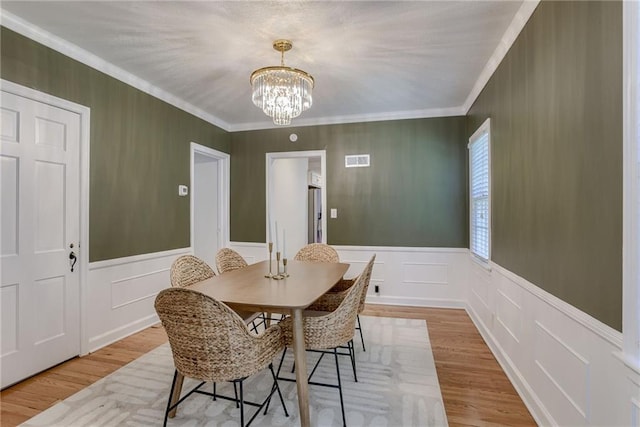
point(284, 264)
point(270, 275)
point(278, 276)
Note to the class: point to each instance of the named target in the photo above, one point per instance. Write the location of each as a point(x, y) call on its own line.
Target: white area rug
point(397, 386)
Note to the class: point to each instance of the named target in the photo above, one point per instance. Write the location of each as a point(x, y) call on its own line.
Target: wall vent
point(357, 161)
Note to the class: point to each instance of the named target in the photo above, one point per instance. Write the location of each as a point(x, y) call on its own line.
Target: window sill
point(484, 264)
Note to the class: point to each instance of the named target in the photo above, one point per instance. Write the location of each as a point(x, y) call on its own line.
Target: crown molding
point(517, 24)
point(58, 44)
point(355, 118)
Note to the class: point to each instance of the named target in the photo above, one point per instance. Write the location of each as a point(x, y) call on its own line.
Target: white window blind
point(479, 195)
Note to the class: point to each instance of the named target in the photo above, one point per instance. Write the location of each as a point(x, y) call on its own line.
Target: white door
point(206, 208)
point(39, 189)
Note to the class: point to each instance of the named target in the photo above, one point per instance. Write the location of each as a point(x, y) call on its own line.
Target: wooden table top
point(248, 289)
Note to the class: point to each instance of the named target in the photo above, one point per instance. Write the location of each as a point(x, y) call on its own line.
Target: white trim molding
point(270, 157)
point(224, 186)
point(631, 184)
point(509, 37)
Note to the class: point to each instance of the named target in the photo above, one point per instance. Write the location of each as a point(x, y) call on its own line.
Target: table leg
point(175, 396)
point(300, 358)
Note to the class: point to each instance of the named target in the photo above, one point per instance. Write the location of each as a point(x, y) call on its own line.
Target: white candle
point(269, 224)
point(284, 243)
point(277, 240)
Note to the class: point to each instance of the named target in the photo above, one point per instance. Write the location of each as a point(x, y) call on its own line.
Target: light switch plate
point(183, 190)
point(334, 213)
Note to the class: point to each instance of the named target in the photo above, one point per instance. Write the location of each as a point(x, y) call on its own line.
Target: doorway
point(209, 202)
point(296, 198)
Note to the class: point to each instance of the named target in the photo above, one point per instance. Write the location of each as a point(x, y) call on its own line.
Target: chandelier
point(281, 92)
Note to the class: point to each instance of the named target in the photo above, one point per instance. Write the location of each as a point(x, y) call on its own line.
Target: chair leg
point(241, 402)
point(214, 391)
point(352, 355)
point(344, 420)
point(173, 386)
point(360, 329)
point(235, 391)
point(275, 382)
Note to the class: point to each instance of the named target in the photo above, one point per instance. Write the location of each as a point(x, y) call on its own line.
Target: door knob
point(72, 260)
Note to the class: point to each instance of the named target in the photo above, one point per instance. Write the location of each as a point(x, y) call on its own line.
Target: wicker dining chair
point(320, 252)
point(229, 260)
point(189, 269)
point(331, 300)
point(210, 343)
point(327, 332)
point(317, 252)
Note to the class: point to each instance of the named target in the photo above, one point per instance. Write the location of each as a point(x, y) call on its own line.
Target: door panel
point(40, 158)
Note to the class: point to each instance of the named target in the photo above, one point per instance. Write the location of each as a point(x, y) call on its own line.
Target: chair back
point(337, 327)
point(189, 269)
point(317, 252)
point(209, 341)
point(367, 278)
point(229, 260)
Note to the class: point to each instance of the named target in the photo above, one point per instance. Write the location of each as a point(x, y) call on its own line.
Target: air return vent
point(357, 161)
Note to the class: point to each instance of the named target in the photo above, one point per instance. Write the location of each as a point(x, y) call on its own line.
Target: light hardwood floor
point(475, 390)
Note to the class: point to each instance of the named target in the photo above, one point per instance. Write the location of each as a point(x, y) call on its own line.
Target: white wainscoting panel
point(427, 277)
point(559, 359)
point(121, 294)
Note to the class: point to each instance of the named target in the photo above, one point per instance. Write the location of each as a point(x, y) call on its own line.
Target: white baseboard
point(416, 302)
point(537, 410)
point(123, 331)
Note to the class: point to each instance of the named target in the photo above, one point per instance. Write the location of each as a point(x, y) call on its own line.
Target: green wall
point(555, 104)
point(414, 193)
point(139, 150)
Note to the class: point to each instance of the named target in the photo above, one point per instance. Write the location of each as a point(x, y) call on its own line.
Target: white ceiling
point(370, 59)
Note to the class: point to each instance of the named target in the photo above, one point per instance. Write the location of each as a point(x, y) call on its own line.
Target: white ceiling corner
point(372, 60)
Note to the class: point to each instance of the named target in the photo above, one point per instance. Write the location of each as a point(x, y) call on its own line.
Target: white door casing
point(222, 160)
point(41, 182)
point(271, 191)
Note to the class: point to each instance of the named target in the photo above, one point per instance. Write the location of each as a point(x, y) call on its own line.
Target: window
point(480, 193)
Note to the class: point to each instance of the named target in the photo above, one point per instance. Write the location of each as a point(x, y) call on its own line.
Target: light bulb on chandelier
point(281, 92)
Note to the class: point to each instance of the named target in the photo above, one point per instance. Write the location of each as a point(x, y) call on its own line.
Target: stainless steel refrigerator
point(314, 223)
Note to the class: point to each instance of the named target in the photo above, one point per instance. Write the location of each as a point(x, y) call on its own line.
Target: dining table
point(247, 289)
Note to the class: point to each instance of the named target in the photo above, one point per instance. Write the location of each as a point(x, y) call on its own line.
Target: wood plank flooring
point(475, 390)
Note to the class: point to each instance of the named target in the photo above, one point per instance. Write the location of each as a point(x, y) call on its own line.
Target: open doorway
point(209, 202)
point(296, 199)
